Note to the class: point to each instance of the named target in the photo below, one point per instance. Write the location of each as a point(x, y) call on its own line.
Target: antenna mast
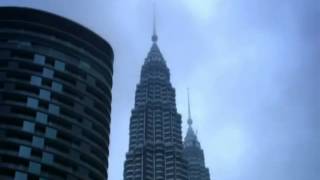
point(154, 35)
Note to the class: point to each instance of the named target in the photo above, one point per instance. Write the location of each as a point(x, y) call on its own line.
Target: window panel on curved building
point(55, 95)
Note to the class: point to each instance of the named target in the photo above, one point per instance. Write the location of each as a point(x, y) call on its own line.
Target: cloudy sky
point(252, 67)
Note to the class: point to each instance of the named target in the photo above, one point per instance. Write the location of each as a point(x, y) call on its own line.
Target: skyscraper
point(155, 145)
point(55, 94)
point(193, 153)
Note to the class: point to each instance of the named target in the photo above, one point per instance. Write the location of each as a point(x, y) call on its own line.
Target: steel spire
point(189, 111)
point(154, 35)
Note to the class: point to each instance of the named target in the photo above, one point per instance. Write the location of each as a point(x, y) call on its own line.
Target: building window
point(34, 167)
point(39, 59)
point(84, 65)
point(4, 53)
point(32, 102)
point(59, 65)
point(51, 133)
point(48, 73)
point(47, 158)
point(91, 80)
point(76, 129)
point(5, 109)
point(42, 118)
point(35, 80)
point(24, 151)
point(37, 142)
point(54, 109)
point(24, 43)
point(75, 154)
point(20, 176)
point(81, 86)
point(56, 86)
point(28, 126)
point(44, 94)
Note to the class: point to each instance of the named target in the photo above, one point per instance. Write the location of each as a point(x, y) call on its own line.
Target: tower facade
point(193, 153)
point(155, 145)
point(55, 95)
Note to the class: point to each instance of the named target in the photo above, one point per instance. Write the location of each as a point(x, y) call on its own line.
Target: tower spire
point(189, 111)
point(154, 35)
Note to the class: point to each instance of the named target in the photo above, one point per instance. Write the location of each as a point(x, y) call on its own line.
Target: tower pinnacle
point(149, 147)
point(154, 35)
point(189, 111)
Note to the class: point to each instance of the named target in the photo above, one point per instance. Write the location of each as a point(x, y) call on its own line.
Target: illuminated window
point(39, 59)
point(28, 126)
point(48, 73)
point(20, 176)
point(24, 151)
point(42, 117)
point(54, 109)
point(34, 167)
point(56, 86)
point(44, 94)
point(37, 142)
point(47, 158)
point(59, 65)
point(32, 102)
point(51, 133)
point(35, 80)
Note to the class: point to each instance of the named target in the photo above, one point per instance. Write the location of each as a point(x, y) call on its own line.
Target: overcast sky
point(252, 67)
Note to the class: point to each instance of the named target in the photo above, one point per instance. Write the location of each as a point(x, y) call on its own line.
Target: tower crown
point(155, 124)
point(191, 137)
point(154, 54)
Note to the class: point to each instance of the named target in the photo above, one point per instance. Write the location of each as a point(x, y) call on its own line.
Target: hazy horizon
point(252, 68)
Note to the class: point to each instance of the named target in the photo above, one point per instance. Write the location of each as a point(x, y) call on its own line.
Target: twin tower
point(156, 150)
point(55, 103)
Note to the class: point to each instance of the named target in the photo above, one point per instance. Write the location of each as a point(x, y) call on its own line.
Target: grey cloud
point(253, 70)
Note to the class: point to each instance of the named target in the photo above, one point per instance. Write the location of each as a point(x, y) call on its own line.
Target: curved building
point(55, 95)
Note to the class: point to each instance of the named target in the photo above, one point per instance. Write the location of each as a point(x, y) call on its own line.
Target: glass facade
point(28, 126)
point(44, 94)
point(39, 59)
point(193, 153)
point(24, 151)
point(32, 102)
point(47, 158)
point(34, 167)
point(48, 73)
point(41, 118)
point(54, 111)
point(155, 144)
point(51, 133)
point(56, 86)
point(59, 65)
point(37, 141)
point(35, 80)
point(20, 176)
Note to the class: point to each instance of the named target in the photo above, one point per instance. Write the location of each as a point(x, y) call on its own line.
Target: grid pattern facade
point(196, 167)
point(155, 146)
point(55, 95)
point(194, 155)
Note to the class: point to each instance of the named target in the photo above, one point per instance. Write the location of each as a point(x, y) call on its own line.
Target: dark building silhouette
point(194, 154)
point(155, 145)
point(55, 94)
